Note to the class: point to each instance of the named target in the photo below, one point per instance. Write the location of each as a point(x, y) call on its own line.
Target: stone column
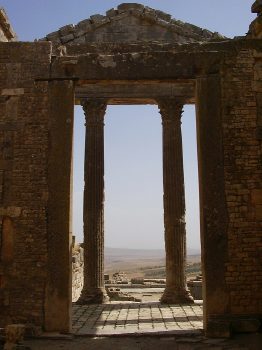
point(174, 203)
point(93, 291)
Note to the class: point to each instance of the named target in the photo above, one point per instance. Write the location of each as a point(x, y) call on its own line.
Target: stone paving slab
point(125, 318)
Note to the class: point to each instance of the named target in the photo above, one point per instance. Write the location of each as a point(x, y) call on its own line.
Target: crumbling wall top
point(6, 31)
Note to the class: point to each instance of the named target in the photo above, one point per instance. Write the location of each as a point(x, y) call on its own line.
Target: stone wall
point(229, 139)
point(23, 181)
point(242, 122)
point(35, 281)
point(6, 31)
point(77, 271)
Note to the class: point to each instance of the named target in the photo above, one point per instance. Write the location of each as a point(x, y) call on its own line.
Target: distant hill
point(141, 253)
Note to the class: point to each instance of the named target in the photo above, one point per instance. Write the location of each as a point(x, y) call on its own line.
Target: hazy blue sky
point(133, 154)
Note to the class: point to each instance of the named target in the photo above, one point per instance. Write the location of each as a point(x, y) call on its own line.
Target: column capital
point(170, 109)
point(94, 110)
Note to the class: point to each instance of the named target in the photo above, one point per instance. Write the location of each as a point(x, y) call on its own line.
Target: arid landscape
point(146, 263)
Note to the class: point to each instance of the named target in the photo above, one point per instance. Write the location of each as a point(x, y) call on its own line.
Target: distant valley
point(111, 253)
point(147, 263)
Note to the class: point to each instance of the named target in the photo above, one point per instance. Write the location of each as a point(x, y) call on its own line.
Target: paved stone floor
point(122, 318)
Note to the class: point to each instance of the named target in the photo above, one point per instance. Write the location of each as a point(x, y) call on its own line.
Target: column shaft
point(93, 214)
point(174, 203)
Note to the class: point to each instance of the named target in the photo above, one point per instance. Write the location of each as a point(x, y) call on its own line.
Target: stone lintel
point(143, 92)
point(160, 65)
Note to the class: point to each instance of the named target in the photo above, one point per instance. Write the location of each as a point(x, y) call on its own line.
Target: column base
point(95, 296)
point(173, 296)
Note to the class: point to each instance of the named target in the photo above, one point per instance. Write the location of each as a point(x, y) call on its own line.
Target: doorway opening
point(134, 231)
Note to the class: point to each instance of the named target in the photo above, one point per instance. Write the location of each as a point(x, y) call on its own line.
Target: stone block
point(100, 23)
point(258, 70)
point(150, 13)
point(80, 33)
point(7, 248)
point(81, 254)
point(218, 329)
point(12, 92)
point(98, 18)
point(83, 26)
point(80, 40)
point(259, 133)
point(258, 211)
point(162, 23)
point(257, 54)
point(66, 30)
point(112, 12)
point(53, 36)
point(257, 86)
point(6, 164)
point(246, 325)
point(13, 212)
point(130, 6)
point(162, 15)
point(136, 12)
point(206, 33)
point(67, 38)
point(256, 196)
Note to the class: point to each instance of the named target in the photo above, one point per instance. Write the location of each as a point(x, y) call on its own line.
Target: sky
point(133, 145)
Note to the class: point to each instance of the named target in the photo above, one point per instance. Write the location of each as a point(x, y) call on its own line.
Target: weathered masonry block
point(96, 63)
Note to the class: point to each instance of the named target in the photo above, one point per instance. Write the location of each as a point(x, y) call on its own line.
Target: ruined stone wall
point(23, 181)
point(242, 122)
point(36, 119)
point(130, 22)
point(77, 271)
